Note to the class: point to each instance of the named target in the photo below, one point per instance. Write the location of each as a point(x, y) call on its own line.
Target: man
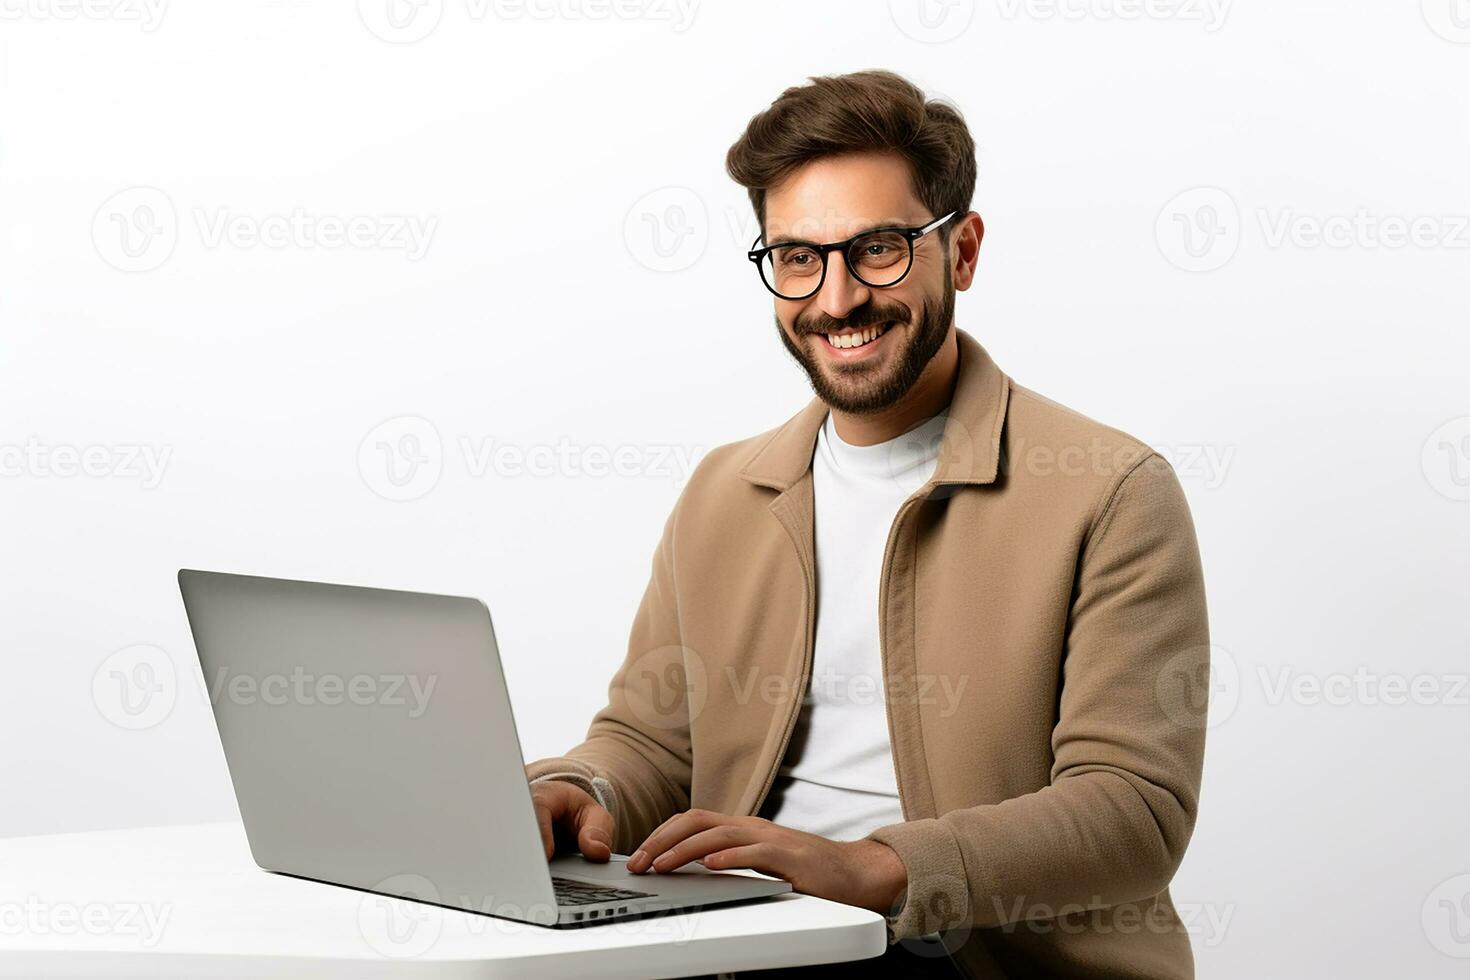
point(929, 648)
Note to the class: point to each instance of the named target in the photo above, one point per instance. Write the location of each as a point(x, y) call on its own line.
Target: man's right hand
point(566, 814)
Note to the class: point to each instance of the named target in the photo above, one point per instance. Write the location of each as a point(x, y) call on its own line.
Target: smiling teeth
point(867, 335)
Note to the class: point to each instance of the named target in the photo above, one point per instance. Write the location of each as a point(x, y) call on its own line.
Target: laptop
point(370, 741)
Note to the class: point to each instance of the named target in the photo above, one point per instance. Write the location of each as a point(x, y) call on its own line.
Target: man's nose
point(840, 292)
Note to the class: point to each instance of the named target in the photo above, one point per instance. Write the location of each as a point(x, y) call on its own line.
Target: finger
point(665, 824)
point(671, 832)
point(543, 818)
point(762, 856)
point(594, 832)
point(558, 800)
point(705, 842)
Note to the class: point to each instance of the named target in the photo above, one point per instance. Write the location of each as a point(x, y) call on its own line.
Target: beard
point(860, 388)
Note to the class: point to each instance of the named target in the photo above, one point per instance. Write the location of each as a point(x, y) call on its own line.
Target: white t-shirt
point(837, 777)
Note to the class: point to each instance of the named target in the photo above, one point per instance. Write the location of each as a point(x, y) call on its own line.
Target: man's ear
point(965, 250)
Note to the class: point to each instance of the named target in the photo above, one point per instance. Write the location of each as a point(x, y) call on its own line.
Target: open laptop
point(370, 741)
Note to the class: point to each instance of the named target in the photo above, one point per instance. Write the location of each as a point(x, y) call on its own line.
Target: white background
point(1303, 389)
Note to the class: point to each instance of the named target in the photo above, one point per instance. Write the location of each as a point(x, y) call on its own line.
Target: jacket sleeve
point(1128, 745)
point(636, 758)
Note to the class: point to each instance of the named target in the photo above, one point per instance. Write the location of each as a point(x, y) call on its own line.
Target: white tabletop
point(189, 901)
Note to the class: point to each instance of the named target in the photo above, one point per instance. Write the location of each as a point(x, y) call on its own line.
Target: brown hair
point(862, 111)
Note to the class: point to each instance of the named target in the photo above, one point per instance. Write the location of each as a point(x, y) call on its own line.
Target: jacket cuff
point(579, 774)
point(938, 894)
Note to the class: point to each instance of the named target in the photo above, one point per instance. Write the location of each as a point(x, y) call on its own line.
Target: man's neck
point(929, 396)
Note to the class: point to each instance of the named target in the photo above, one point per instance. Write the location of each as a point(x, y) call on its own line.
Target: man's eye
point(798, 257)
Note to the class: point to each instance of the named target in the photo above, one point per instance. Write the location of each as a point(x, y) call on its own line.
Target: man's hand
point(864, 873)
point(567, 814)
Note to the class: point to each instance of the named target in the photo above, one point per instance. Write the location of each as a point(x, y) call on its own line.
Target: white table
point(189, 902)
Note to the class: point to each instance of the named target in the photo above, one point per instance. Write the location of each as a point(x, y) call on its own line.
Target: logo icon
point(1450, 19)
point(948, 441)
point(667, 687)
point(932, 21)
point(135, 230)
point(1446, 459)
point(401, 928)
point(1199, 687)
point(667, 230)
point(400, 21)
point(136, 687)
point(1199, 230)
point(942, 929)
point(1446, 917)
point(401, 459)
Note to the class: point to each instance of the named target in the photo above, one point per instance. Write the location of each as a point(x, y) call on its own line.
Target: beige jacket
point(1044, 639)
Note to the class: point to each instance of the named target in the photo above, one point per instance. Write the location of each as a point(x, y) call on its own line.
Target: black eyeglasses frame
point(911, 235)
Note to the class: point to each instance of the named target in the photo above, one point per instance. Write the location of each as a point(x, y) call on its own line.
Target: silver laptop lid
point(370, 740)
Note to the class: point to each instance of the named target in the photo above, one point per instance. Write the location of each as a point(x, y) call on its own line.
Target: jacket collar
point(971, 446)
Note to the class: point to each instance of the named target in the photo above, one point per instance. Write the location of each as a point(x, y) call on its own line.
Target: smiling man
point(934, 646)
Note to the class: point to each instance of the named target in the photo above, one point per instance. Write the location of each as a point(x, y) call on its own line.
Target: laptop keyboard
point(569, 892)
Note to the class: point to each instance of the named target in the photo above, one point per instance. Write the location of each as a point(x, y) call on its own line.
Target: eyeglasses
point(877, 258)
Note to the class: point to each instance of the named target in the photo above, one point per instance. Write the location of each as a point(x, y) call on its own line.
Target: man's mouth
point(861, 337)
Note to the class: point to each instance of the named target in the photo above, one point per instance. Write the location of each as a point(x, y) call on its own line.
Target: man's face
point(831, 200)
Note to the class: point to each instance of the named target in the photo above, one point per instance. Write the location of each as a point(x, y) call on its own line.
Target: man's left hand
point(864, 873)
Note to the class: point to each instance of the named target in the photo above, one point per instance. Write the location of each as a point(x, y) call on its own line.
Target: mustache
point(863, 316)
